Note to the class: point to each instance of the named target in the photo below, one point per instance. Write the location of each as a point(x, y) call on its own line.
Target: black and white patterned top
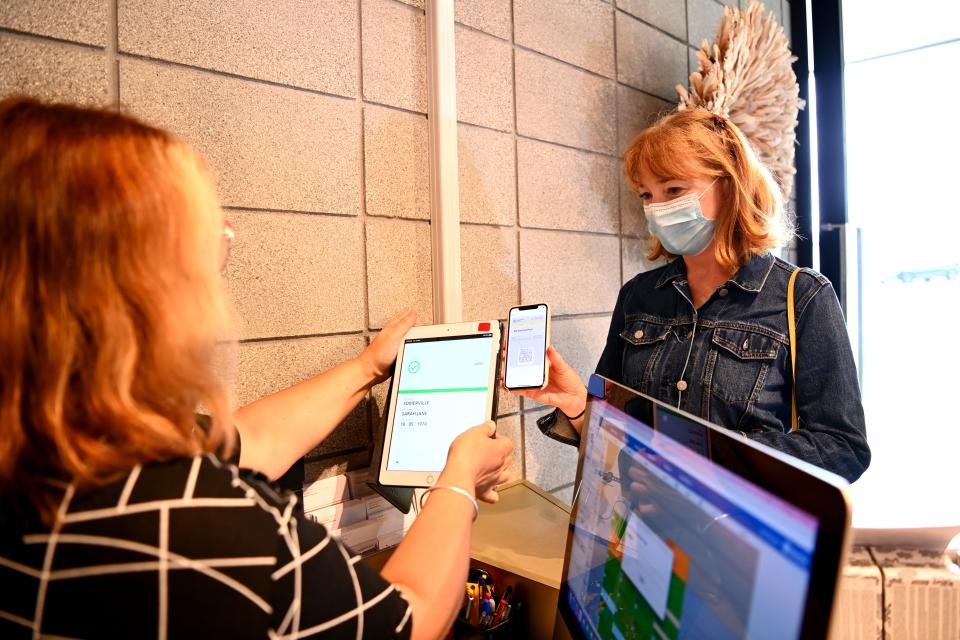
point(188, 548)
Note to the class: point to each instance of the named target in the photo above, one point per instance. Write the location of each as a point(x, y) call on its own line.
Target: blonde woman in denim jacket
point(708, 331)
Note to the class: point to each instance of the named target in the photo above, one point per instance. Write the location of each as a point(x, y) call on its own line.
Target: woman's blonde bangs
point(664, 153)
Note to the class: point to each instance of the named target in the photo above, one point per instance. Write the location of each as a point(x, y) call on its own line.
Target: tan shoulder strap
point(792, 320)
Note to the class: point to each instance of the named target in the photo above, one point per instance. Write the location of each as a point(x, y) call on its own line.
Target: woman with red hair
point(118, 513)
point(709, 331)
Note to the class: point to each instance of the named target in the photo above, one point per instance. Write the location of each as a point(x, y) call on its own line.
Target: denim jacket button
point(638, 334)
point(722, 292)
point(746, 343)
point(682, 385)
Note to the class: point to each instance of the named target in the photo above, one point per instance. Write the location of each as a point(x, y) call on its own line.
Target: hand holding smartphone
point(528, 335)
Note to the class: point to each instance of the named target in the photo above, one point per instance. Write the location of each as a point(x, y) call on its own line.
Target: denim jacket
point(729, 360)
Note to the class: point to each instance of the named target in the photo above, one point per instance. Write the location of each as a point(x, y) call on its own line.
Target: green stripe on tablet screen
point(450, 390)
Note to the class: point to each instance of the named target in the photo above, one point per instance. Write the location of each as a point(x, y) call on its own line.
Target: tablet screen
point(442, 392)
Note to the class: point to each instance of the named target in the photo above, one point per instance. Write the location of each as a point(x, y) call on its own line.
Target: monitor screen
point(667, 543)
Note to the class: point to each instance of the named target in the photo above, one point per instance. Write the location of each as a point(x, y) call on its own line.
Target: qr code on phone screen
point(525, 356)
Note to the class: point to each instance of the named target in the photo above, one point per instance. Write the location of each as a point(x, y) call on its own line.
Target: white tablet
point(445, 381)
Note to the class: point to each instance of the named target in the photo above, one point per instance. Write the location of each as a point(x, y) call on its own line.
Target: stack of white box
point(897, 594)
point(349, 509)
point(858, 613)
point(921, 594)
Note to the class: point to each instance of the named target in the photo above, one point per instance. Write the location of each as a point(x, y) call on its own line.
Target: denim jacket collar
point(672, 271)
point(750, 277)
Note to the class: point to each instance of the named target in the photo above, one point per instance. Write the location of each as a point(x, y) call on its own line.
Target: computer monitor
point(681, 529)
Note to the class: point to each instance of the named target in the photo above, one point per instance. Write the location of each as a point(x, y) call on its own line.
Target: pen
point(468, 608)
point(475, 604)
point(498, 616)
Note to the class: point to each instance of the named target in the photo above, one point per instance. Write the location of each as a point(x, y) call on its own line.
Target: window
point(900, 255)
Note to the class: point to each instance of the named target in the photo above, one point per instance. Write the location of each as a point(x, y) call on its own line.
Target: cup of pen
point(487, 611)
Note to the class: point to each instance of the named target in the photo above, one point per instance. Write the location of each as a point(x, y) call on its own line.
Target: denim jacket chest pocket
point(643, 345)
point(740, 364)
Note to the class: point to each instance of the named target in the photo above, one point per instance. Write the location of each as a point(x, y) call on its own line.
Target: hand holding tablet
point(379, 356)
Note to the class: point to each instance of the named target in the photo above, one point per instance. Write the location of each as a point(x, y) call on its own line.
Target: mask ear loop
point(708, 188)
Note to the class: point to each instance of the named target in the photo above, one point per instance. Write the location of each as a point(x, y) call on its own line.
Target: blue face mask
point(679, 224)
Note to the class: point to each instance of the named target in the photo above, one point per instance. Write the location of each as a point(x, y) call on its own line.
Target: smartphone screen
point(527, 336)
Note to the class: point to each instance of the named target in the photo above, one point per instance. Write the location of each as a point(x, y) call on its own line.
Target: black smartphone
point(528, 335)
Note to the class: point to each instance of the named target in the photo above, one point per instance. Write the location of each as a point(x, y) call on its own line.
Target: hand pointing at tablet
point(478, 461)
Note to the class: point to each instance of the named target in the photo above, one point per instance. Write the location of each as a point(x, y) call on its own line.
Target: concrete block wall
point(549, 94)
point(313, 119)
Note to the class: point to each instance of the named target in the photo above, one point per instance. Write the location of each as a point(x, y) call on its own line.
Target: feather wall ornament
point(746, 76)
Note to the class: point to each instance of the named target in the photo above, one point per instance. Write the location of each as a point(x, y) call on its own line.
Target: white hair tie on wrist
point(463, 492)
